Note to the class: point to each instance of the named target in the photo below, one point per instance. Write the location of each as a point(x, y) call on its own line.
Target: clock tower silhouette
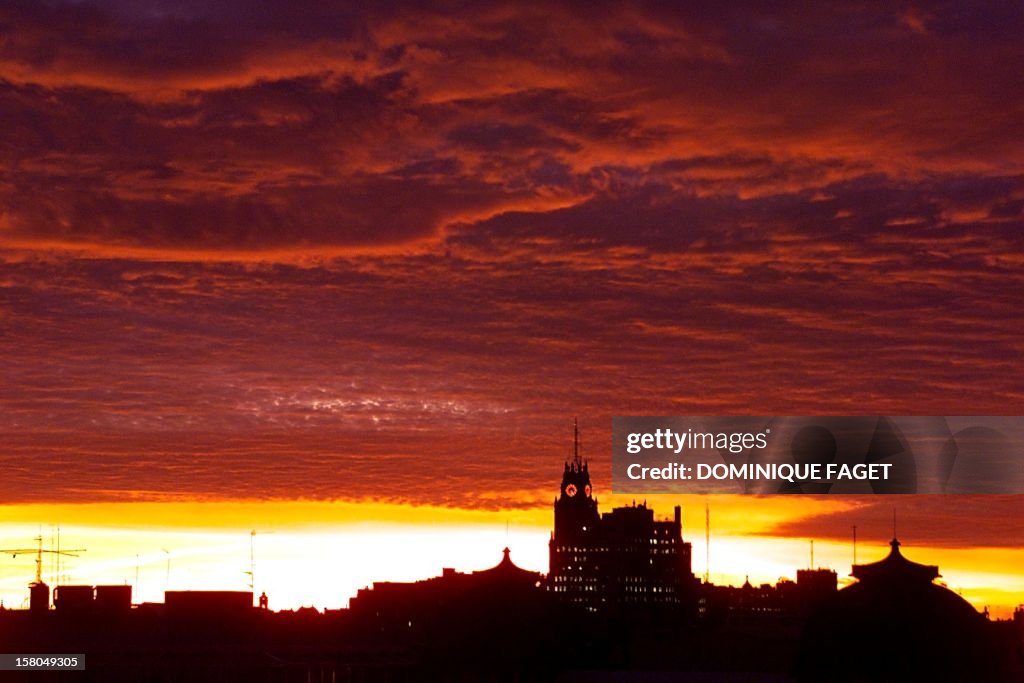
point(619, 560)
point(573, 564)
point(576, 516)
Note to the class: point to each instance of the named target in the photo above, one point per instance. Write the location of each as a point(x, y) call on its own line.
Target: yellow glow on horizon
point(321, 552)
point(322, 566)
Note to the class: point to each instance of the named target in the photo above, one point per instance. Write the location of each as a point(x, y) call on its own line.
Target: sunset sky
point(344, 275)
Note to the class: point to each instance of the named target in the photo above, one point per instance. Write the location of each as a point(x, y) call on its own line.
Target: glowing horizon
point(253, 258)
point(319, 554)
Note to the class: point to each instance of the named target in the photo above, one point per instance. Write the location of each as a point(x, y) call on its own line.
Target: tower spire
point(707, 542)
point(575, 440)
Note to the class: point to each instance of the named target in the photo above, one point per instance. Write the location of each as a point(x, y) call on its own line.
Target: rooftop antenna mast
point(707, 542)
point(167, 575)
point(575, 440)
point(252, 558)
point(38, 551)
point(252, 561)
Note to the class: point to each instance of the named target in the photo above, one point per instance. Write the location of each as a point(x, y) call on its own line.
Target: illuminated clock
point(586, 490)
point(570, 490)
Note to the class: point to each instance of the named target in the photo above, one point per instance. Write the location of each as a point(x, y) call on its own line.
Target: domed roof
point(894, 622)
point(507, 571)
point(895, 567)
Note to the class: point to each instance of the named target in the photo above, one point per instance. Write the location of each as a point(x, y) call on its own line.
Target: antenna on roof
point(575, 440)
point(38, 552)
point(707, 541)
point(252, 560)
point(167, 576)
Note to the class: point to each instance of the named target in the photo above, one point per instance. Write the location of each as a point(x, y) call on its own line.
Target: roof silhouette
point(896, 622)
point(505, 568)
point(895, 567)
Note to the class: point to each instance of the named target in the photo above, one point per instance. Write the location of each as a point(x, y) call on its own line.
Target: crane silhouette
point(38, 552)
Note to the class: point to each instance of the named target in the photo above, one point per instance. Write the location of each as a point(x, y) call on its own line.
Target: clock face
point(570, 490)
point(586, 490)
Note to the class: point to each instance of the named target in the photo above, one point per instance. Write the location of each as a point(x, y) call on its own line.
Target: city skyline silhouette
point(506, 621)
point(236, 565)
point(299, 298)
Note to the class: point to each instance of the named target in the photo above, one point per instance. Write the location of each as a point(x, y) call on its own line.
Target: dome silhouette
point(895, 623)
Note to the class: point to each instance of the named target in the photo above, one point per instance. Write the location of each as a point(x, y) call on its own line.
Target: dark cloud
point(317, 250)
point(936, 521)
point(397, 373)
point(281, 126)
point(503, 138)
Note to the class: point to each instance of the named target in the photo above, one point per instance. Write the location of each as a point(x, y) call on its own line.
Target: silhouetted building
point(473, 623)
point(110, 599)
point(85, 600)
point(200, 603)
point(618, 559)
point(499, 590)
point(76, 599)
point(895, 623)
point(748, 602)
point(815, 586)
point(502, 624)
point(38, 597)
point(1017, 633)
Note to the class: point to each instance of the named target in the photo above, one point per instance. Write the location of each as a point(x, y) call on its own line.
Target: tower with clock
point(576, 517)
point(574, 547)
point(618, 560)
